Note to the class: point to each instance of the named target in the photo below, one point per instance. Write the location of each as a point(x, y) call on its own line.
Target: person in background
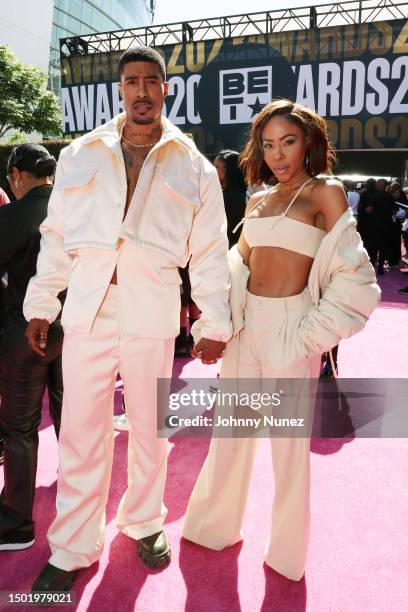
point(400, 196)
point(405, 241)
point(233, 189)
point(398, 193)
point(24, 375)
point(2, 323)
point(391, 226)
point(375, 221)
point(405, 232)
point(189, 314)
point(189, 311)
point(396, 231)
point(366, 193)
point(353, 197)
point(4, 199)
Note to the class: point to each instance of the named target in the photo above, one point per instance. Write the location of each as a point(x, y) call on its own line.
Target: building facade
point(76, 17)
point(27, 30)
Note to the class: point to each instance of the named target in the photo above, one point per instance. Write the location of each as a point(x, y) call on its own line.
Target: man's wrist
point(223, 339)
point(29, 316)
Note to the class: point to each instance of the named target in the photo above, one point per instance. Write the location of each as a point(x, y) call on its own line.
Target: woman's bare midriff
point(276, 272)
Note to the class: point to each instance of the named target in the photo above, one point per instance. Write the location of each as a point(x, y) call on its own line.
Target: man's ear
point(120, 90)
point(165, 88)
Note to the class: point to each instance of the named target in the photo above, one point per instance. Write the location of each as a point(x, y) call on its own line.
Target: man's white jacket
point(177, 211)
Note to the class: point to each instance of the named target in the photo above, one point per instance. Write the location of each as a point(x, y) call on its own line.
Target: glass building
point(76, 17)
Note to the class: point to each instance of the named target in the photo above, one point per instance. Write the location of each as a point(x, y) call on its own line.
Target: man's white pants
point(90, 363)
point(216, 508)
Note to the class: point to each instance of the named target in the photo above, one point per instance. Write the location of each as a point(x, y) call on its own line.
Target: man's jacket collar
point(108, 132)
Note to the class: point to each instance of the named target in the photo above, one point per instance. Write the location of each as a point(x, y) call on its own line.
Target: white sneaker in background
point(120, 422)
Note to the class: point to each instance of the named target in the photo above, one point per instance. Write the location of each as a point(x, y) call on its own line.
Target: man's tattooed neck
point(131, 130)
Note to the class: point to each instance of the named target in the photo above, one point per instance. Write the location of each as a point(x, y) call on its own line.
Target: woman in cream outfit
point(300, 281)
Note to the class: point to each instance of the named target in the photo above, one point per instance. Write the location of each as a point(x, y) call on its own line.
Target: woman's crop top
point(281, 231)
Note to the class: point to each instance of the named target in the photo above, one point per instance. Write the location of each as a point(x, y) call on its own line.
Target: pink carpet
point(358, 557)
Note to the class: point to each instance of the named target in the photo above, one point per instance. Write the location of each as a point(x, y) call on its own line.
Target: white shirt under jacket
point(176, 211)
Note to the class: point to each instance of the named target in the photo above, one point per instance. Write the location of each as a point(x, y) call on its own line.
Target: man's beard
point(143, 121)
point(147, 121)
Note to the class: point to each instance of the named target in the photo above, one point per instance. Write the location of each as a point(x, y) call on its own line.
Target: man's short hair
point(142, 54)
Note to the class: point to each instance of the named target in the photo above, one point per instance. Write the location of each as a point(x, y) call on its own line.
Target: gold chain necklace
point(139, 146)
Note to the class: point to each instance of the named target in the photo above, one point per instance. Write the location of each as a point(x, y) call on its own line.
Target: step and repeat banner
point(356, 76)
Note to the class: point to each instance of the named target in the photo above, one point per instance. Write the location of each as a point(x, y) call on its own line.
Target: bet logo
point(243, 93)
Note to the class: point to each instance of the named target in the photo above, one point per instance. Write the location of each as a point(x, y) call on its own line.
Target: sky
point(171, 11)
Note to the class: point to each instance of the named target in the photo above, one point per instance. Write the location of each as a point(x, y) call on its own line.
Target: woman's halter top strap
point(296, 195)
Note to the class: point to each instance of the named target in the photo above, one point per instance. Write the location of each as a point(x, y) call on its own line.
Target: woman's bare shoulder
point(326, 184)
point(330, 199)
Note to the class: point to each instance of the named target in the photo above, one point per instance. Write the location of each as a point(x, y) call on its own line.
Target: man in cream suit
point(133, 199)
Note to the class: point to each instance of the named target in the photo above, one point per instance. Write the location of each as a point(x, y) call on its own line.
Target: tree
point(25, 102)
point(16, 138)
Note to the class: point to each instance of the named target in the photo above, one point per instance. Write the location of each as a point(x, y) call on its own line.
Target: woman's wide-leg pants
point(90, 363)
point(266, 349)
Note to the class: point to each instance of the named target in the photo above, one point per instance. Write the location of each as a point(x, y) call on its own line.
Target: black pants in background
point(377, 245)
point(394, 254)
point(24, 376)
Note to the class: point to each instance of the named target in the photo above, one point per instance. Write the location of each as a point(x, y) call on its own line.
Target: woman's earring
point(306, 160)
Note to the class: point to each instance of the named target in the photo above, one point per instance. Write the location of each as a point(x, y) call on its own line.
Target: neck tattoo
point(156, 131)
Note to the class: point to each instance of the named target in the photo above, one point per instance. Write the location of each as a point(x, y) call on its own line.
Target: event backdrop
point(356, 76)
